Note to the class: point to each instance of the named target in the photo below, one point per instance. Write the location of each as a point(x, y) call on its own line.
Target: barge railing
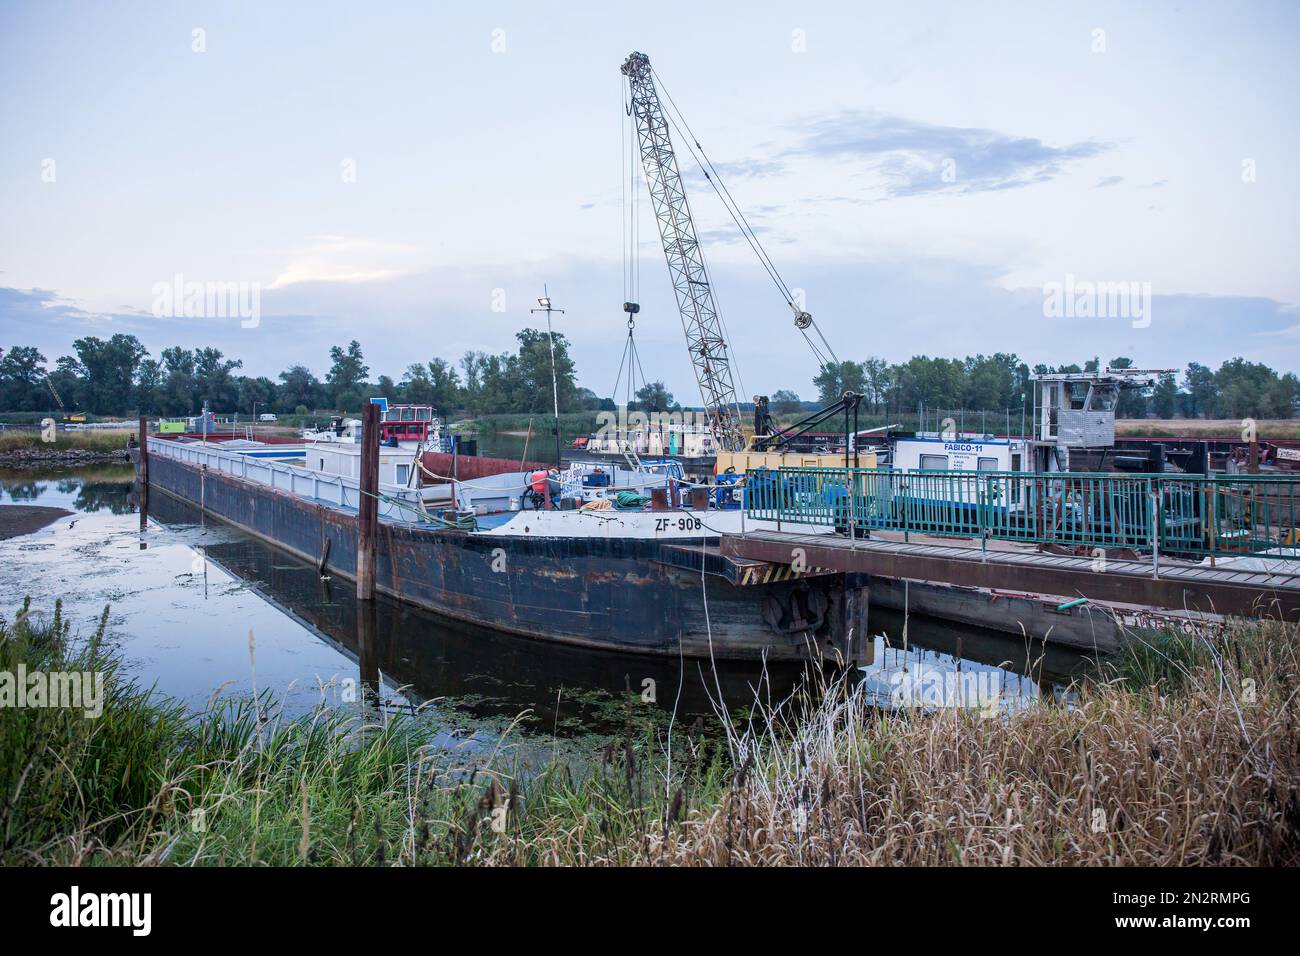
point(1185, 515)
point(343, 492)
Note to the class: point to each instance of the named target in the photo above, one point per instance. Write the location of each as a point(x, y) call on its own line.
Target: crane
point(55, 392)
point(695, 302)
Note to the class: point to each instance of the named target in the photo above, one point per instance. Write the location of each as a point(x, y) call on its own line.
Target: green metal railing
point(1181, 514)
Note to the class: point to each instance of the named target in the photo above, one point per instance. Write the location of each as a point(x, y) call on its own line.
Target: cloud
point(729, 171)
point(350, 260)
point(19, 306)
point(43, 318)
point(893, 308)
point(310, 272)
point(917, 158)
point(724, 235)
point(1109, 181)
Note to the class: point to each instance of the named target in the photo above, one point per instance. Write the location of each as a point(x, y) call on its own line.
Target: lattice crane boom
point(695, 303)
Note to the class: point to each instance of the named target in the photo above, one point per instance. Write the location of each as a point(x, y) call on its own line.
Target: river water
point(198, 609)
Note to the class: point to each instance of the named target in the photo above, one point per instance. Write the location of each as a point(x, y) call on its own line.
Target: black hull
point(614, 593)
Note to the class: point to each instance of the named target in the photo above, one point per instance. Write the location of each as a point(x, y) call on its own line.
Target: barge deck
point(646, 582)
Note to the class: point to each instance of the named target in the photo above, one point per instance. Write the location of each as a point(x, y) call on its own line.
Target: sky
point(411, 175)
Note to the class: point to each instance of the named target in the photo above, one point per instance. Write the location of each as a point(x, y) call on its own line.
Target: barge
point(647, 580)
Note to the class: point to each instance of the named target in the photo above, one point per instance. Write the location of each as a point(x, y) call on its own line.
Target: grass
point(1182, 751)
point(1228, 428)
point(150, 782)
point(62, 772)
point(1191, 761)
point(93, 439)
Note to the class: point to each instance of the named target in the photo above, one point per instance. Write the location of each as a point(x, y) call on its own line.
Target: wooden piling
point(368, 506)
point(853, 643)
point(367, 652)
point(143, 472)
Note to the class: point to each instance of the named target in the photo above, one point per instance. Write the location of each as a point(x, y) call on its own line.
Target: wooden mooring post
point(142, 470)
point(368, 506)
point(367, 652)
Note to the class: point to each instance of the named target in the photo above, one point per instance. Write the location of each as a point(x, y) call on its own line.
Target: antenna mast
point(545, 303)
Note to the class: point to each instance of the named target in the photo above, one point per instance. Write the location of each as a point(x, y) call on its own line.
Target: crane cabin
point(1075, 411)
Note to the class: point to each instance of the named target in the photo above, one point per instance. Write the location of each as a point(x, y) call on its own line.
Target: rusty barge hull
point(634, 595)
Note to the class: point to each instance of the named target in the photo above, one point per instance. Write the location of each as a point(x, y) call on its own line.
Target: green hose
point(465, 520)
point(630, 500)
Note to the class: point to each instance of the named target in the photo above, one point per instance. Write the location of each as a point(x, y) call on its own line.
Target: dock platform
point(1192, 587)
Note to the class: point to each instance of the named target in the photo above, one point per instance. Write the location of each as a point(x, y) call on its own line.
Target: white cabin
point(341, 458)
point(961, 452)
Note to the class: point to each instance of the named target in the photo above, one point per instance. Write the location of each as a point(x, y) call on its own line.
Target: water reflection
point(483, 672)
point(182, 611)
point(914, 677)
point(952, 641)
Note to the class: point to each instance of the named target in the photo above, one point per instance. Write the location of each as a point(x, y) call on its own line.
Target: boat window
point(403, 472)
point(1104, 398)
point(987, 464)
point(1078, 395)
point(934, 462)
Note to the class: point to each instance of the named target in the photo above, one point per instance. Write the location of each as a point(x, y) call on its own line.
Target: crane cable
point(803, 319)
point(633, 236)
point(631, 246)
point(622, 178)
point(632, 359)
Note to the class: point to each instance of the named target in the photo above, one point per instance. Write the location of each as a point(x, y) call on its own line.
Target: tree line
point(117, 376)
point(1238, 389)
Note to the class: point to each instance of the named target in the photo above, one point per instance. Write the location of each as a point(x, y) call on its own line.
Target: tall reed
point(1182, 751)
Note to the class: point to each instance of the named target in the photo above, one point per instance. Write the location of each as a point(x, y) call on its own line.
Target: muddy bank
point(56, 457)
point(17, 520)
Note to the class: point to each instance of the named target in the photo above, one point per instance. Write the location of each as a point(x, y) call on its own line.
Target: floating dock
point(1082, 556)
